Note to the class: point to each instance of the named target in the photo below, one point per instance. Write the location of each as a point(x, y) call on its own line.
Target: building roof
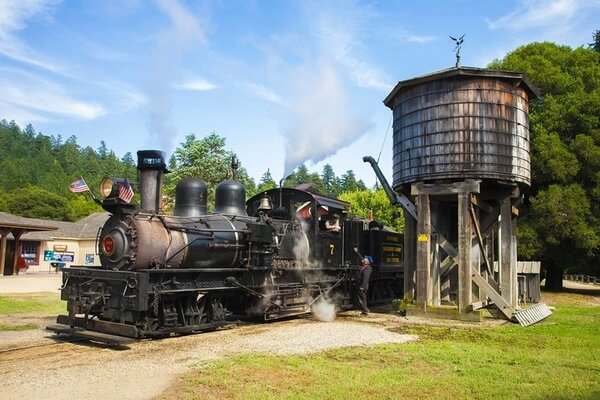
point(518, 78)
point(11, 221)
point(85, 228)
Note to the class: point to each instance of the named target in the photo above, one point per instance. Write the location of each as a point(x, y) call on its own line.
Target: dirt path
point(54, 370)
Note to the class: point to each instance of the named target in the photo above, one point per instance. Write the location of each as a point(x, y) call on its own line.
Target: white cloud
point(420, 39)
point(184, 24)
point(263, 92)
point(339, 29)
point(27, 94)
point(197, 84)
point(13, 17)
point(536, 14)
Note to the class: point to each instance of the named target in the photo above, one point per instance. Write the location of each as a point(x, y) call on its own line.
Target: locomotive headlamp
point(109, 187)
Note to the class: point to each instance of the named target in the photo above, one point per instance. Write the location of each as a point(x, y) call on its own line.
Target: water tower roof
point(518, 79)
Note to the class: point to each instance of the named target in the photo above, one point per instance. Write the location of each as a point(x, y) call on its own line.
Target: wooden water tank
point(461, 123)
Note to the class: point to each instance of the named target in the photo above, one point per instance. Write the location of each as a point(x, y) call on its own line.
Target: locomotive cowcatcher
point(262, 259)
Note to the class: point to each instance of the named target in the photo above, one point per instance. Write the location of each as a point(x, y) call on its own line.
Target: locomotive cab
point(311, 211)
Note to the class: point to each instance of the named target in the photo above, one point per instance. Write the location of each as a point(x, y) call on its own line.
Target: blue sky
point(284, 82)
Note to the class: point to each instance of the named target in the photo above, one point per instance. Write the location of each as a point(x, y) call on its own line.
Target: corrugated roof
point(518, 78)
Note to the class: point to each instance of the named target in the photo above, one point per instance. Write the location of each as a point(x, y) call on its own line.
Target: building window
point(31, 252)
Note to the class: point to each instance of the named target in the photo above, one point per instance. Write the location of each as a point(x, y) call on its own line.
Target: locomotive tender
point(265, 258)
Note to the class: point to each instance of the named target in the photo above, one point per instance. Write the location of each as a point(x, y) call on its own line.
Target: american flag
point(125, 191)
point(79, 186)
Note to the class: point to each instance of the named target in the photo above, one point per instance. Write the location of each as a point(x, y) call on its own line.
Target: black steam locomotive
point(265, 258)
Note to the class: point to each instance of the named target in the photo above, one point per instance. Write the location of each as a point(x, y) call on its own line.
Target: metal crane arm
point(397, 199)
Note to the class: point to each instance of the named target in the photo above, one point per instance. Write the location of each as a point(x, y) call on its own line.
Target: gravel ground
point(85, 371)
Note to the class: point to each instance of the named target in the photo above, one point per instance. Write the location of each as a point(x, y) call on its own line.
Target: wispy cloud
point(339, 30)
point(184, 25)
point(13, 17)
point(196, 84)
point(536, 14)
point(183, 32)
point(263, 92)
point(38, 98)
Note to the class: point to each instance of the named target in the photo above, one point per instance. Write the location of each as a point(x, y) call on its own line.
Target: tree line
point(560, 219)
point(37, 170)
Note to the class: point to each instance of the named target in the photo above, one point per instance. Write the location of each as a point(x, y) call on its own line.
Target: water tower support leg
point(423, 252)
point(465, 232)
point(410, 240)
point(508, 261)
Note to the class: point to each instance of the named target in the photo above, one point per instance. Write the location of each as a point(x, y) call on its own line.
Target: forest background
point(560, 218)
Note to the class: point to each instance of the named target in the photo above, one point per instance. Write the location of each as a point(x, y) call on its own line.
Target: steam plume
point(323, 310)
point(322, 120)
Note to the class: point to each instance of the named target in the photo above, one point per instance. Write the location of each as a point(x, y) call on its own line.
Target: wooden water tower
point(461, 155)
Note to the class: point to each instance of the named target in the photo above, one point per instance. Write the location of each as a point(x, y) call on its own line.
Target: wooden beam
point(423, 251)
point(489, 291)
point(480, 240)
point(435, 272)
point(410, 242)
point(3, 241)
point(475, 200)
point(465, 291)
point(508, 262)
point(468, 186)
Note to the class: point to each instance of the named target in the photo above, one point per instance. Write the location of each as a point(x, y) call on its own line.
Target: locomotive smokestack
point(151, 167)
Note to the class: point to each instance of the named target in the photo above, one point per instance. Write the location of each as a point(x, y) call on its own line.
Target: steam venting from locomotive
point(314, 134)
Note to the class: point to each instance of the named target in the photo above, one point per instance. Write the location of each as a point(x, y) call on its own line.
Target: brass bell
point(265, 203)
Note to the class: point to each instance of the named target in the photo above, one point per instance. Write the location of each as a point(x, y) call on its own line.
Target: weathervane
point(458, 42)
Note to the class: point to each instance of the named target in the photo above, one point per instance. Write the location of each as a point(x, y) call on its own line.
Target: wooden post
point(423, 251)
point(435, 272)
point(513, 263)
point(508, 266)
point(465, 231)
point(4, 233)
point(410, 241)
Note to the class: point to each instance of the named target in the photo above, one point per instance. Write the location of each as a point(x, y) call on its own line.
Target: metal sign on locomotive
point(262, 259)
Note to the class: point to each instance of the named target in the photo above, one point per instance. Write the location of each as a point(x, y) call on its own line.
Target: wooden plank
point(507, 269)
point(467, 186)
point(410, 242)
point(489, 291)
point(435, 272)
point(480, 240)
point(465, 295)
point(423, 251)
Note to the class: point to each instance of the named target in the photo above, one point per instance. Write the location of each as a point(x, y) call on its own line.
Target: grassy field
point(14, 306)
point(558, 358)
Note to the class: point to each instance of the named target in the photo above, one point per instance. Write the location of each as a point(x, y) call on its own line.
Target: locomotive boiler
point(265, 258)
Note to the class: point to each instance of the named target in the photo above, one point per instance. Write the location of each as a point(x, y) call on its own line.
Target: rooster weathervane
point(459, 43)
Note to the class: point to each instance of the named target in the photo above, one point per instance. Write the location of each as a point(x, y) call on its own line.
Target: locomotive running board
point(89, 335)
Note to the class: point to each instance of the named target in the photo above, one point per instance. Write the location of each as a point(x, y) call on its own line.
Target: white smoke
point(323, 310)
point(164, 66)
point(322, 121)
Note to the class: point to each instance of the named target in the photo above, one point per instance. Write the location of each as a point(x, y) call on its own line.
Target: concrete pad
point(31, 282)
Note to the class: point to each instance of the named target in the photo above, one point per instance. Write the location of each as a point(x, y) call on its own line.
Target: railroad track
point(42, 350)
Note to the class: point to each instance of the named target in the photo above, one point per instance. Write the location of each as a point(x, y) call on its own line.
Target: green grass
point(41, 304)
point(558, 358)
point(10, 327)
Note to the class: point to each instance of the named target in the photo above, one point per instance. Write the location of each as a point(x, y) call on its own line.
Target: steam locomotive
point(262, 259)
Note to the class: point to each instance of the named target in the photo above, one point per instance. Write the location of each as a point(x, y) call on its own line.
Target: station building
point(45, 245)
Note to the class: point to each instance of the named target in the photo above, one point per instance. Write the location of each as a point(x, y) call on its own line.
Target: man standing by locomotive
point(362, 284)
